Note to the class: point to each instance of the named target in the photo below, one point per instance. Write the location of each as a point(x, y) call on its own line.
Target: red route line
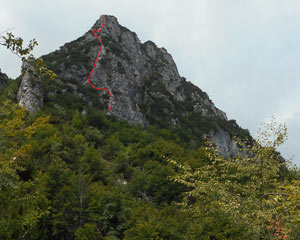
point(94, 33)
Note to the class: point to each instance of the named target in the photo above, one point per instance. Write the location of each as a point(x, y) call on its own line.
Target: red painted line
point(94, 33)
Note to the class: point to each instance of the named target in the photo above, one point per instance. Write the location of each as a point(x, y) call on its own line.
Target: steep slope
point(144, 82)
point(31, 92)
point(142, 77)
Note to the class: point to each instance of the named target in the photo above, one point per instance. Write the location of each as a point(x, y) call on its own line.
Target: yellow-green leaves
point(244, 190)
point(13, 121)
point(15, 44)
point(40, 68)
point(20, 201)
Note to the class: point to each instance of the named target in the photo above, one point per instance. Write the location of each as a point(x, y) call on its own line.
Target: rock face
point(222, 141)
point(143, 79)
point(3, 79)
point(30, 94)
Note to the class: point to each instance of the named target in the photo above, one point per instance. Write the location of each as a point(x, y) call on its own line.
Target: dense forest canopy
point(71, 172)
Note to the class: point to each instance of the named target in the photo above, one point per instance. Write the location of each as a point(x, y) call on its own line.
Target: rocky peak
point(143, 79)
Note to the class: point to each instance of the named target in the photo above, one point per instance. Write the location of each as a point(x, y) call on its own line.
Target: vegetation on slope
point(70, 172)
point(69, 175)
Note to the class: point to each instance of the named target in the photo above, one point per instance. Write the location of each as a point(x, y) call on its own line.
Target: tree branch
point(287, 209)
point(268, 194)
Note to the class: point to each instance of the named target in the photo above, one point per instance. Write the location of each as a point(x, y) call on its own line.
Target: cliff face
point(143, 79)
point(31, 93)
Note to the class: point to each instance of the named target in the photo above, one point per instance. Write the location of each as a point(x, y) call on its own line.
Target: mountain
point(70, 169)
point(143, 79)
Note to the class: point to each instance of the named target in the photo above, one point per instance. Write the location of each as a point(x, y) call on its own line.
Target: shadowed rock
point(3, 79)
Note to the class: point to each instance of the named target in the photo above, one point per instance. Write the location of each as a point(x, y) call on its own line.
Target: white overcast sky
point(244, 53)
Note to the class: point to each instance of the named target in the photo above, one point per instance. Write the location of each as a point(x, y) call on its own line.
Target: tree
point(22, 203)
point(15, 45)
point(235, 198)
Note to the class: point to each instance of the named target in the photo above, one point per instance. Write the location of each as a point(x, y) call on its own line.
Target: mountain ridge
point(144, 81)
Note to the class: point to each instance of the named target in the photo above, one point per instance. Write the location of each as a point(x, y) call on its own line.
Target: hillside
point(143, 79)
point(69, 169)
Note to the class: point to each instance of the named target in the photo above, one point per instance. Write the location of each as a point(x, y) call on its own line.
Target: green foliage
point(42, 70)
point(90, 176)
point(233, 129)
point(97, 119)
point(241, 194)
point(9, 92)
point(190, 88)
point(148, 222)
point(73, 54)
point(80, 174)
point(191, 126)
point(87, 232)
point(22, 203)
point(79, 163)
point(15, 44)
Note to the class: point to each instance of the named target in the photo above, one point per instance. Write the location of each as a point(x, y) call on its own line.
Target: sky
point(244, 54)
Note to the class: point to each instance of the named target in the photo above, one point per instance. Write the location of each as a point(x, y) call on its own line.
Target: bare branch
point(7, 30)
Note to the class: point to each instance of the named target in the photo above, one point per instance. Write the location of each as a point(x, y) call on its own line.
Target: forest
point(70, 171)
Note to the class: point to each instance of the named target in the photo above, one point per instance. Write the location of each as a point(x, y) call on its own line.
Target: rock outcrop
point(30, 94)
point(223, 142)
point(3, 79)
point(143, 79)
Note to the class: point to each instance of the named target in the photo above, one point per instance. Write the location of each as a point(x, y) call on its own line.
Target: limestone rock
point(143, 79)
point(223, 142)
point(30, 94)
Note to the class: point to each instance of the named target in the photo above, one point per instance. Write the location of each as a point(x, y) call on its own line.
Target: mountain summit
point(143, 78)
point(144, 82)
